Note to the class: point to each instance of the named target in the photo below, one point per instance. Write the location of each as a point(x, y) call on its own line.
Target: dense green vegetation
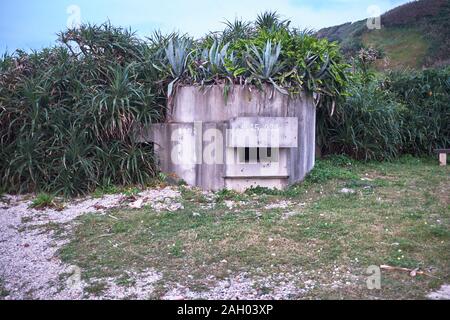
point(384, 116)
point(265, 52)
point(68, 114)
point(425, 96)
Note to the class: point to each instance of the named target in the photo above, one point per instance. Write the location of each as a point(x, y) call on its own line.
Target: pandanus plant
point(271, 21)
point(236, 30)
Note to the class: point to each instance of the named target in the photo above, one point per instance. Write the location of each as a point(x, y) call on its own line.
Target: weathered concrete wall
point(209, 105)
point(180, 152)
point(189, 135)
point(302, 159)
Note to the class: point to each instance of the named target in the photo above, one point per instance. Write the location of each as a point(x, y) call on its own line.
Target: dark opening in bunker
point(257, 155)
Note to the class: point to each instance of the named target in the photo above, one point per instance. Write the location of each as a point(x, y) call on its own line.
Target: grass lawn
point(312, 236)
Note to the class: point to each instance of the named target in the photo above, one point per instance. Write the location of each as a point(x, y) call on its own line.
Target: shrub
point(402, 112)
point(68, 114)
point(367, 125)
point(426, 116)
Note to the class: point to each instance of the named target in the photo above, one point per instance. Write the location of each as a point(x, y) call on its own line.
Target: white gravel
point(28, 263)
point(279, 205)
point(159, 199)
point(244, 287)
point(29, 266)
point(281, 285)
point(442, 294)
point(141, 288)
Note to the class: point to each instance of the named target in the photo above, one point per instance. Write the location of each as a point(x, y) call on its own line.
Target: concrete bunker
point(252, 138)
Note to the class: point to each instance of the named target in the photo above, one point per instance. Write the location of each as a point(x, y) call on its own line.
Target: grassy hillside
point(400, 47)
point(416, 34)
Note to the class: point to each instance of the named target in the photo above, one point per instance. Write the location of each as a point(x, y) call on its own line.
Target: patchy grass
point(105, 190)
point(162, 180)
point(96, 289)
point(43, 201)
point(399, 215)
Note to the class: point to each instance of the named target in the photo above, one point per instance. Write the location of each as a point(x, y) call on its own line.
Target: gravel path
point(29, 266)
point(28, 263)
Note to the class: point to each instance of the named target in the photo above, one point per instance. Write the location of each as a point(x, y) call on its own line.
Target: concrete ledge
point(241, 185)
point(209, 104)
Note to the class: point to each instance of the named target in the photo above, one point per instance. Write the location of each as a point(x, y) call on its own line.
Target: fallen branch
point(412, 272)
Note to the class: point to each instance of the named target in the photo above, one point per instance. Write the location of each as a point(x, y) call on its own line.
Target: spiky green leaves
point(271, 20)
point(67, 119)
point(177, 53)
point(215, 58)
point(265, 65)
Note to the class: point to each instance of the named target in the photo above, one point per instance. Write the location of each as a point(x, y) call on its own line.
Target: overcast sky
point(33, 24)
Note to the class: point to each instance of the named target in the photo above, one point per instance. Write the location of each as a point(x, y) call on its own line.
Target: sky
point(33, 24)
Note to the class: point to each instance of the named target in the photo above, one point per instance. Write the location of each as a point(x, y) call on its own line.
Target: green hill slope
point(416, 35)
